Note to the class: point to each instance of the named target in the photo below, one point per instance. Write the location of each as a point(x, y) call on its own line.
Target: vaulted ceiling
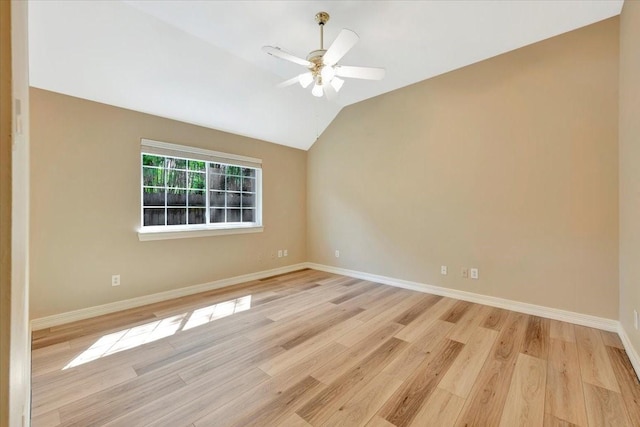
point(201, 61)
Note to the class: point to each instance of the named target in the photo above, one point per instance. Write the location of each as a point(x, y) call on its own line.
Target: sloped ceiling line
point(201, 61)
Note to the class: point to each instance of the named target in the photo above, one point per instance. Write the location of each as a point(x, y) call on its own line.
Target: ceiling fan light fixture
point(327, 73)
point(337, 83)
point(317, 90)
point(305, 79)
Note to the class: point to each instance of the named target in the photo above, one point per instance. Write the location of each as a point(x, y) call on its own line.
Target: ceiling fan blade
point(289, 82)
point(340, 46)
point(330, 92)
point(367, 73)
point(279, 53)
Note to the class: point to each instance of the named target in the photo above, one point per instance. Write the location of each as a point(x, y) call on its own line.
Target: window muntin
point(184, 193)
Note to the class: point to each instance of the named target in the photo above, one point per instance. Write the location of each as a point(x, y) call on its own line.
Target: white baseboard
point(521, 307)
point(537, 310)
point(551, 313)
point(86, 313)
point(631, 351)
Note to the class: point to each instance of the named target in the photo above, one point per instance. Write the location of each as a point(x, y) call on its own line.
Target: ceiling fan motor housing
point(315, 56)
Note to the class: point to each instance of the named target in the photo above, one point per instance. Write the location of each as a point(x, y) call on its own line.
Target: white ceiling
point(201, 61)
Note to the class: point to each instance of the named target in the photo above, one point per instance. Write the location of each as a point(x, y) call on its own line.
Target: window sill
point(182, 233)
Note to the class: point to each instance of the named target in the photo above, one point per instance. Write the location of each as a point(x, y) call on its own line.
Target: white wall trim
point(86, 313)
point(145, 144)
point(631, 351)
point(145, 235)
point(610, 325)
point(521, 307)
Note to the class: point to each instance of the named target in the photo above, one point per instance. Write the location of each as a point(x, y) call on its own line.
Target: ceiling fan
point(322, 63)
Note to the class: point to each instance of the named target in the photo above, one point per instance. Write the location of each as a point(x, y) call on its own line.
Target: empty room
point(320, 213)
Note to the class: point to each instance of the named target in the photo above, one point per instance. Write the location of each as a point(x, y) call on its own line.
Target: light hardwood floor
point(316, 349)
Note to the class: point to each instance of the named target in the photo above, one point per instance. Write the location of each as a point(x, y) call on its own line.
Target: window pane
point(216, 181)
point(234, 170)
point(248, 215)
point(216, 198)
point(195, 165)
point(197, 181)
point(217, 168)
point(176, 216)
point(249, 184)
point(153, 177)
point(249, 172)
point(174, 163)
point(149, 160)
point(233, 199)
point(153, 197)
point(233, 215)
point(154, 216)
point(176, 198)
point(248, 200)
point(197, 198)
point(176, 179)
point(234, 183)
point(217, 215)
point(197, 216)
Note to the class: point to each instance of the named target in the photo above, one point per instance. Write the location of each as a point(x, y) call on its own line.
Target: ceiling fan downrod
point(322, 18)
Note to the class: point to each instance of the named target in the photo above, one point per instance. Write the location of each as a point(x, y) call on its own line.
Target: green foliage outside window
point(175, 191)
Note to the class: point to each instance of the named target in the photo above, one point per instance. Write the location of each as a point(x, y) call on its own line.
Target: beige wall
point(630, 168)
point(85, 173)
point(5, 206)
point(509, 165)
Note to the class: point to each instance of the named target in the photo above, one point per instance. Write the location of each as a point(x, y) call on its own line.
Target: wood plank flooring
point(316, 349)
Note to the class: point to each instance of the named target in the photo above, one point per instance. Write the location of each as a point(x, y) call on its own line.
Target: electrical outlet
point(286, 252)
point(635, 319)
point(465, 273)
point(443, 270)
point(279, 253)
point(115, 280)
point(474, 273)
point(337, 253)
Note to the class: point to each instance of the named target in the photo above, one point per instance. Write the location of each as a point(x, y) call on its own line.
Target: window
point(186, 190)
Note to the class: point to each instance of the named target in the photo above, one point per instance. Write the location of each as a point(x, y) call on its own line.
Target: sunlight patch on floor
point(218, 311)
point(142, 334)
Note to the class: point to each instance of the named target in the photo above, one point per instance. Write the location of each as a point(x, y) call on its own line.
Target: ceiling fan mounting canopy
point(323, 63)
point(322, 18)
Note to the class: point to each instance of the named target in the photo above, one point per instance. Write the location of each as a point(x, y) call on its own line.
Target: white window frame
point(162, 232)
